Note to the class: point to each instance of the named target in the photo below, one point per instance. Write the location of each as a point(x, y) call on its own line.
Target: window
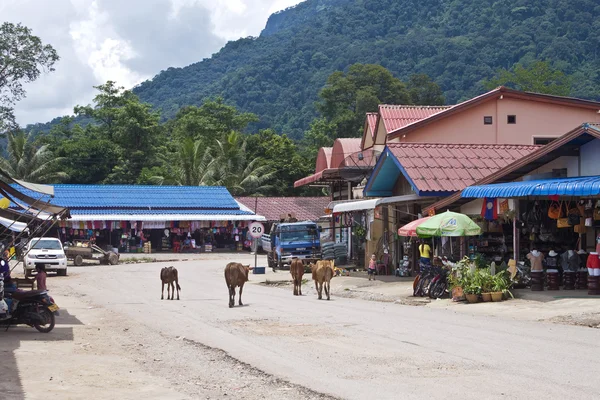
point(487, 120)
point(511, 119)
point(48, 244)
point(542, 140)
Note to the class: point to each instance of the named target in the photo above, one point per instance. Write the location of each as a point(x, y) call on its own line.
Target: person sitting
point(187, 244)
point(40, 277)
point(176, 245)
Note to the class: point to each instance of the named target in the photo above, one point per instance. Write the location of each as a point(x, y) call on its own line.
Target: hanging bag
point(554, 210)
point(596, 214)
point(562, 222)
point(574, 216)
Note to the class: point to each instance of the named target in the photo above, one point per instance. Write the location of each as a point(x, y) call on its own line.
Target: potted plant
point(500, 286)
point(360, 231)
point(457, 279)
point(472, 291)
point(486, 282)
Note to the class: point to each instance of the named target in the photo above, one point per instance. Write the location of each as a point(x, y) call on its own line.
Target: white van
point(48, 251)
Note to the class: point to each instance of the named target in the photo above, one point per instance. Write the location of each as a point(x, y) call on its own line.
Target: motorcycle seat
point(27, 294)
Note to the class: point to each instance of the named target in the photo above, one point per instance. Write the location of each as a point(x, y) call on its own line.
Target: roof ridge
point(426, 144)
point(413, 106)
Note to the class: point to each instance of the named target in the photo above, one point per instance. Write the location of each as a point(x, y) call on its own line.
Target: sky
point(127, 41)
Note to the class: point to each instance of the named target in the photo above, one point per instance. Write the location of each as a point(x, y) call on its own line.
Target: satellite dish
point(359, 165)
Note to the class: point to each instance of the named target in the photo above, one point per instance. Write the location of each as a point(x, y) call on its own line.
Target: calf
point(236, 275)
point(168, 275)
point(297, 271)
point(322, 272)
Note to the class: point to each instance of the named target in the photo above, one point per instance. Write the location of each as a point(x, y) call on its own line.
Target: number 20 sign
point(256, 230)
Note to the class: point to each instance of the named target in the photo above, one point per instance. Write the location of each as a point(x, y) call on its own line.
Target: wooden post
point(516, 232)
point(256, 239)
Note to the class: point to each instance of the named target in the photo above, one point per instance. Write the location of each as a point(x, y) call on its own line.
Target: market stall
point(552, 227)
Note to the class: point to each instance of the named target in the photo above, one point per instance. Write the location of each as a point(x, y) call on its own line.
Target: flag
point(489, 210)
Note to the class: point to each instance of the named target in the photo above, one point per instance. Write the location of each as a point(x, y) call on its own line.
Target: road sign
point(256, 230)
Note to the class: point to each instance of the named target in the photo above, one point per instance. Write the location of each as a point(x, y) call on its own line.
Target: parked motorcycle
point(33, 308)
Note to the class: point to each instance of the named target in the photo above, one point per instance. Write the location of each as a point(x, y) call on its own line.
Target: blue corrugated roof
point(139, 197)
point(580, 186)
point(111, 211)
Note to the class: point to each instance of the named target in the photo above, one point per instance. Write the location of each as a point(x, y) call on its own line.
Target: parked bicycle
point(439, 284)
point(422, 282)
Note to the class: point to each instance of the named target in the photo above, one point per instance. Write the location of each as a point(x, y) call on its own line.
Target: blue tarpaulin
point(583, 186)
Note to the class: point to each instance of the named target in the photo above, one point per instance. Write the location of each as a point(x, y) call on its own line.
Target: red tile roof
point(526, 164)
point(372, 123)
point(323, 159)
point(343, 148)
point(304, 208)
point(396, 117)
point(343, 154)
point(453, 167)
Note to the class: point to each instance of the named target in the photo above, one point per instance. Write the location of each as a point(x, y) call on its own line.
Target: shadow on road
point(11, 386)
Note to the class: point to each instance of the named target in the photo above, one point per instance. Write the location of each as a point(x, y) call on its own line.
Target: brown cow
point(236, 274)
point(168, 275)
point(297, 271)
point(322, 272)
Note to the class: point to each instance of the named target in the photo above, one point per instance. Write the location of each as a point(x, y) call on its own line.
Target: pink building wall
point(533, 119)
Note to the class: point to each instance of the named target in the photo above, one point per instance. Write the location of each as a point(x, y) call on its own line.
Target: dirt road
point(283, 347)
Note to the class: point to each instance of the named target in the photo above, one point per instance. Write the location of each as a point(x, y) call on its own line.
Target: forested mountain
point(459, 43)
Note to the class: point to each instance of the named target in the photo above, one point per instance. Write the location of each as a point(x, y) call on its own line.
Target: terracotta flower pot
point(486, 296)
point(472, 298)
point(458, 294)
point(497, 296)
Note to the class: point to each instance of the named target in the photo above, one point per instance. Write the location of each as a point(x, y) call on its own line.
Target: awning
point(166, 217)
point(586, 186)
point(358, 205)
point(355, 206)
point(12, 225)
point(410, 229)
point(36, 187)
point(31, 203)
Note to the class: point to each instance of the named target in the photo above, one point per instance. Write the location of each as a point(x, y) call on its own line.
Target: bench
point(24, 282)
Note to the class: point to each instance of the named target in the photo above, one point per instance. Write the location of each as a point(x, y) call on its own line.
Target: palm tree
point(30, 163)
point(224, 165)
point(193, 166)
point(232, 169)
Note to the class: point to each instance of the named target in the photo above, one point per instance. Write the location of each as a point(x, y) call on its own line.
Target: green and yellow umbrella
point(449, 224)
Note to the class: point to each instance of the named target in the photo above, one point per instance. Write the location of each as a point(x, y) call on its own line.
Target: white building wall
point(570, 163)
point(590, 158)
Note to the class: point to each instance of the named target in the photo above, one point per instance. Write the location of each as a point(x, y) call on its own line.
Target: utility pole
point(255, 239)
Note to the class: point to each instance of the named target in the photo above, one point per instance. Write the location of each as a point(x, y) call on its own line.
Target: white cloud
point(126, 41)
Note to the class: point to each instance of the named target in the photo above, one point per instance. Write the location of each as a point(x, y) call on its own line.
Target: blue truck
point(292, 240)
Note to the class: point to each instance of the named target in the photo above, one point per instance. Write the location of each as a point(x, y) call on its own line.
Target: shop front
point(555, 228)
point(370, 227)
point(132, 218)
point(139, 235)
point(542, 212)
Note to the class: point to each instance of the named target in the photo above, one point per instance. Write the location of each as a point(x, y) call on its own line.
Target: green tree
point(210, 121)
point(87, 156)
point(539, 77)
point(348, 96)
point(23, 58)
point(282, 156)
point(133, 127)
point(30, 163)
point(107, 105)
point(424, 92)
